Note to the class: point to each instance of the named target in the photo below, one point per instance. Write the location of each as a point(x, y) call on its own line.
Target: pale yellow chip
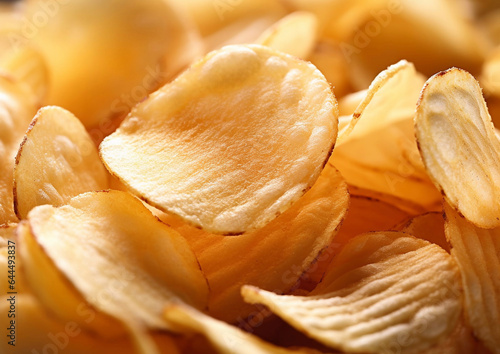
point(109, 249)
point(100, 68)
point(376, 148)
point(17, 109)
point(383, 292)
point(477, 252)
point(459, 147)
point(225, 338)
point(231, 143)
point(274, 257)
point(24, 62)
point(57, 161)
point(37, 332)
point(294, 34)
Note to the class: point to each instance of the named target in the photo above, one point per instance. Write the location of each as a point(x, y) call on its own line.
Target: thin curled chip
point(138, 263)
point(477, 252)
point(384, 292)
point(294, 34)
point(56, 161)
point(289, 245)
point(460, 150)
point(231, 143)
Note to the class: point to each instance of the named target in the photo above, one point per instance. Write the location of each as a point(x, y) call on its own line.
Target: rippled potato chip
point(137, 262)
point(477, 252)
point(103, 58)
point(294, 34)
point(376, 149)
point(57, 161)
point(460, 150)
point(17, 108)
point(289, 246)
point(225, 338)
point(231, 143)
point(385, 291)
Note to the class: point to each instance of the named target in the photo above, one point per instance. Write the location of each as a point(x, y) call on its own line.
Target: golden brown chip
point(103, 58)
point(383, 292)
point(377, 149)
point(459, 147)
point(274, 257)
point(57, 161)
point(17, 109)
point(477, 252)
point(490, 76)
point(294, 34)
point(230, 144)
point(429, 227)
point(225, 338)
point(109, 249)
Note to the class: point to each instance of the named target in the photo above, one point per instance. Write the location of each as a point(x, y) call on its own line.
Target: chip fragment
point(384, 291)
point(477, 253)
point(137, 262)
point(231, 143)
point(56, 161)
point(458, 145)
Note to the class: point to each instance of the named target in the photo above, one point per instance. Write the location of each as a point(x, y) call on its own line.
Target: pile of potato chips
point(250, 176)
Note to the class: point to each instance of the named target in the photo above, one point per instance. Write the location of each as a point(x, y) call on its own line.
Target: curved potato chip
point(288, 245)
point(25, 63)
point(17, 108)
point(429, 227)
point(383, 292)
point(460, 150)
point(477, 252)
point(225, 338)
point(294, 34)
point(138, 263)
point(377, 150)
point(37, 332)
point(56, 161)
point(232, 142)
point(103, 58)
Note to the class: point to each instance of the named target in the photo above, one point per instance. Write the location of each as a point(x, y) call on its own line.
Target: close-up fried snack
point(249, 176)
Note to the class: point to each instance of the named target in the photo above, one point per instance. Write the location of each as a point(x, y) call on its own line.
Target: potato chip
point(294, 34)
point(103, 58)
point(490, 76)
point(477, 252)
point(429, 227)
point(377, 150)
point(289, 245)
point(17, 108)
point(38, 332)
point(57, 161)
point(384, 292)
point(25, 63)
point(458, 145)
point(230, 144)
point(225, 338)
point(412, 30)
point(365, 215)
point(138, 263)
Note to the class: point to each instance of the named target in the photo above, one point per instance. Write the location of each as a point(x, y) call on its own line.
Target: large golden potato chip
point(459, 147)
point(377, 149)
point(477, 252)
point(383, 292)
point(57, 161)
point(231, 143)
point(273, 257)
point(294, 34)
point(225, 338)
point(17, 108)
point(38, 332)
point(104, 57)
point(108, 248)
